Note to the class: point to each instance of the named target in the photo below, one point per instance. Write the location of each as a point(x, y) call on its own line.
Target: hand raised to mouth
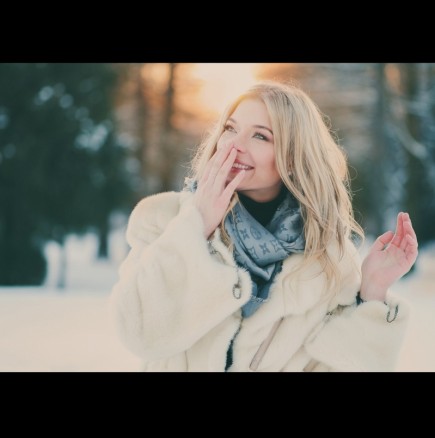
point(213, 194)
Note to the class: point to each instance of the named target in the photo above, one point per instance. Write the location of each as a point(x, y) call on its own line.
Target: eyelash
point(263, 137)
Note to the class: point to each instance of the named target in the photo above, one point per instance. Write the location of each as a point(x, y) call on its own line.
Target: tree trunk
point(420, 191)
point(378, 189)
point(169, 153)
point(61, 280)
point(103, 240)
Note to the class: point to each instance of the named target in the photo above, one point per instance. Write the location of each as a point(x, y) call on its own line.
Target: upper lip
point(244, 164)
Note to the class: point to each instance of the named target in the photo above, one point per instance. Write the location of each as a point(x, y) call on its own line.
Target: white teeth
point(241, 166)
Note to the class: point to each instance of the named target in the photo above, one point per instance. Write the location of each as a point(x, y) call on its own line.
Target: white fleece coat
point(177, 304)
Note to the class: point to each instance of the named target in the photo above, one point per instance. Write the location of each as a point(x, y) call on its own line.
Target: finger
point(218, 180)
point(411, 250)
point(232, 185)
point(405, 225)
point(208, 168)
point(212, 160)
point(408, 231)
point(398, 236)
point(205, 176)
point(410, 242)
point(382, 240)
point(403, 243)
point(225, 170)
point(221, 156)
point(408, 228)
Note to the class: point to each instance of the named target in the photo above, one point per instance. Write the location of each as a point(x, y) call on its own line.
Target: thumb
point(383, 240)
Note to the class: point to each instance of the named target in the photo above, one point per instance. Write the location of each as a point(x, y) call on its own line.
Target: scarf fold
point(262, 250)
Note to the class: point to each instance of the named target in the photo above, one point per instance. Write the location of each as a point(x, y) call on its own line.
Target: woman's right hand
point(213, 195)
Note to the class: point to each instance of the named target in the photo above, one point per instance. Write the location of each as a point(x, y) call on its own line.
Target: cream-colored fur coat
point(178, 298)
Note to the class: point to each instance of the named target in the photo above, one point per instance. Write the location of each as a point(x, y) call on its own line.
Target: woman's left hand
point(390, 257)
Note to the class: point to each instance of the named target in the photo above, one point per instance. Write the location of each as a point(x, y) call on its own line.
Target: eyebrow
point(230, 119)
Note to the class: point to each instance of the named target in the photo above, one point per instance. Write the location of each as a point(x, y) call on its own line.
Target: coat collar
point(296, 292)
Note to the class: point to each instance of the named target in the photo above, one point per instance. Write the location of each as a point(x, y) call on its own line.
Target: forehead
point(253, 111)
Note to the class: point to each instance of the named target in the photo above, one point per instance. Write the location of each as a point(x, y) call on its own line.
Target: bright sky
point(222, 82)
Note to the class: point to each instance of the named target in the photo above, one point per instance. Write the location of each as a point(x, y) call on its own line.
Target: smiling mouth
point(240, 166)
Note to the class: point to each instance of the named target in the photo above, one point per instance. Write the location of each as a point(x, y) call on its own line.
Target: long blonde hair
point(311, 164)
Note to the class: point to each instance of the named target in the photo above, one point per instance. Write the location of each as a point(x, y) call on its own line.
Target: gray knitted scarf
point(262, 250)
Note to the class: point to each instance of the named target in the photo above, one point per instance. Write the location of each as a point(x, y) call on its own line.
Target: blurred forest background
point(80, 144)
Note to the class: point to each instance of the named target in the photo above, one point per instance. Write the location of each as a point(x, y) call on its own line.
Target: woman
point(253, 267)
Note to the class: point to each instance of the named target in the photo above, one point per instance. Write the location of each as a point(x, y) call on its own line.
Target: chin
point(242, 187)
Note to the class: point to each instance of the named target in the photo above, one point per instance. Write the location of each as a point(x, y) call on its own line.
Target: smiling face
point(249, 129)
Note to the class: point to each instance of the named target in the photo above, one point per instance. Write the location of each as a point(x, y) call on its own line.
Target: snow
point(69, 330)
point(47, 329)
point(418, 351)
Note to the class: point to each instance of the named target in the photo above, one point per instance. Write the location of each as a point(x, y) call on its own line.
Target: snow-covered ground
point(418, 351)
point(44, 329)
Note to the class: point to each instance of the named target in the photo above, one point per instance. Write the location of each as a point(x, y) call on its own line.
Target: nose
point(240, 147)
point(239, 143)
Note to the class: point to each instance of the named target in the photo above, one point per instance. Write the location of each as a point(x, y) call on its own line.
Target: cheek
point(268, 160)
point(268, 170)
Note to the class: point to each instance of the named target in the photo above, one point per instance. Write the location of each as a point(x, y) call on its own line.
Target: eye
point(261, 136)
point(228, 127)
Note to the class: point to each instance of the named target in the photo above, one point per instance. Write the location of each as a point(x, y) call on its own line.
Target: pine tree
point(62, 169)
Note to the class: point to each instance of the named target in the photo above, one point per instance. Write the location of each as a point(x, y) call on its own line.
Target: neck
point(262, 212)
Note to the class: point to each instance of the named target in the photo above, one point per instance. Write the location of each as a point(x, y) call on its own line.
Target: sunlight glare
point(222, 82)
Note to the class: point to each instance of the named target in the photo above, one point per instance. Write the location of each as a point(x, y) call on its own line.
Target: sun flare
point(222, 82)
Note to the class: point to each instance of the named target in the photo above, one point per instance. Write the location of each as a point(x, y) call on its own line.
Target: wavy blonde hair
point(311, 164)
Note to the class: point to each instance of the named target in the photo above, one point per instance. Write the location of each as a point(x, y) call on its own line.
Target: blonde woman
point(252, 267)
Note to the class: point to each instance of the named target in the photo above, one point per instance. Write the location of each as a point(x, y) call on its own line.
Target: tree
point(384, 115)
point(161, 143)
point(413, 113)
point(60, 160)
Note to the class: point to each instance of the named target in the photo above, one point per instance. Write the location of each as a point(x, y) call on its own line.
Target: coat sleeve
point(367, 337)
point(171, 290)
point(361, 338)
